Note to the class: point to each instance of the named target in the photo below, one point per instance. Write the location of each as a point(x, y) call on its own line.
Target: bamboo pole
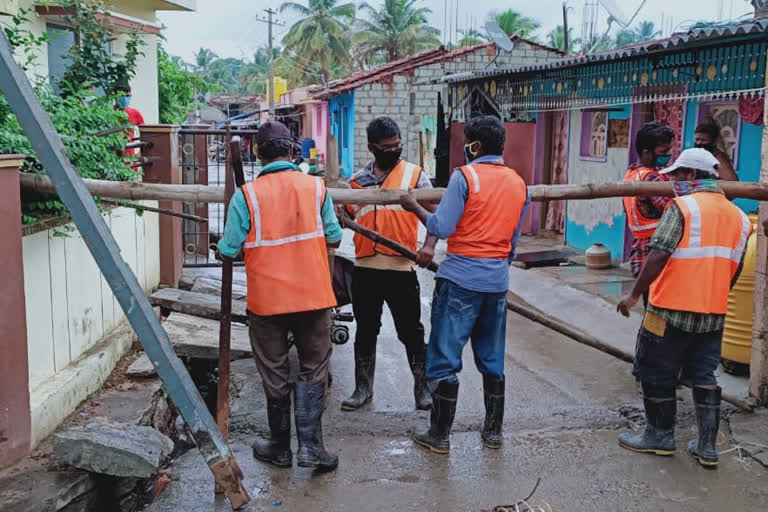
point(213, 194)
point(530, 312)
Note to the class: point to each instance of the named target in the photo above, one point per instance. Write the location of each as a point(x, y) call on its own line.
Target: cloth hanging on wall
point(559, 173)
point(672, 114)
point(751, 109)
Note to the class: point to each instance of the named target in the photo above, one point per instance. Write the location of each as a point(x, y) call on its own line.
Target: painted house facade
point(406, 91)
point(75, 330)
point(585, 113)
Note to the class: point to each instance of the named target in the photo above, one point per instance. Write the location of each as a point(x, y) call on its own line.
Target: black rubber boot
point(276, 449)
point(364, 369)
point(436, 437)
point(310, 402)
point(708, 419)
point(418, 363)
point(660, 411)
point(493, 394)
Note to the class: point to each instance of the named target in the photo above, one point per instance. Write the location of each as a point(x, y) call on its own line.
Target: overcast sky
point(230, 29)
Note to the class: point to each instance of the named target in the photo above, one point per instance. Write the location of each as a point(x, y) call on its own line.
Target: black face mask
point(712, 148)
point(386, 160)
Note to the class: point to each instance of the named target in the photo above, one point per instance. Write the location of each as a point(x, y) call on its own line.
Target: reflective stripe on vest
point(256, 219)
point(698, 274)
point(640, 226)
point(496, 196)
point(392, 221)
point(286, 262)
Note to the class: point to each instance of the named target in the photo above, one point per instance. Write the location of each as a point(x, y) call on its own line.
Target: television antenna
point(500, 39)
point(615, 15)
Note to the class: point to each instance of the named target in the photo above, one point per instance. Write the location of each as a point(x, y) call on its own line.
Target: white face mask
point(470, 155)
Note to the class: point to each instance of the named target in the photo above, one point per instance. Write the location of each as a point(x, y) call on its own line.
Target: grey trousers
point(269, 341)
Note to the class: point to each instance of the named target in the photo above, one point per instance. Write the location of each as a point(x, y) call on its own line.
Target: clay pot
point(598, 257)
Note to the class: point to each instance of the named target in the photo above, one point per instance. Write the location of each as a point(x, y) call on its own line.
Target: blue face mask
point(662, 161)
point(124, 101)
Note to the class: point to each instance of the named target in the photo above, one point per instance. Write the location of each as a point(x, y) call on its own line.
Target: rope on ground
point(527, 507)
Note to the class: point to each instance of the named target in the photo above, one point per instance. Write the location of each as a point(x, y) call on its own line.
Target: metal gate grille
point(205, 161)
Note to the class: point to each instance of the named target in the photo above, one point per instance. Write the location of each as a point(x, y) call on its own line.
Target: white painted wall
point(69, 304)
point(144, 84)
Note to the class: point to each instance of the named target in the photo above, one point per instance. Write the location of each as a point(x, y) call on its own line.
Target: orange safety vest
point(697, 277)
point(495, 200)
point(389, 220)
point(286, 262)
point(639, 225)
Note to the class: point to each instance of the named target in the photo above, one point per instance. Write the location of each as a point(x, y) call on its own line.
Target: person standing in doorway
point(654, 147)
point(481, 215)
point(381, 275)
point(707, 136)
point(283, 221)
point(696, 254)
point(135, 118)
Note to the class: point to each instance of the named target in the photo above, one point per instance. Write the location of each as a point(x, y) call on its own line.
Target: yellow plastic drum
point(737, 336)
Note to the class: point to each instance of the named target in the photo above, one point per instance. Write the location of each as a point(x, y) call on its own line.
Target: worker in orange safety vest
point(696, 254)
point(654, 145)
point(481, 214)
point(381, 275)
point(283, 221)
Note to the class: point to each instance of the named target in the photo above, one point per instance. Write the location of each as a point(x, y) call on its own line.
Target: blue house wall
point(601, 220)
point(749, 151)
point(341, 110)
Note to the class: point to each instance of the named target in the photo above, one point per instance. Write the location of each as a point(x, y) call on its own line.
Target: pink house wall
point(320, 126)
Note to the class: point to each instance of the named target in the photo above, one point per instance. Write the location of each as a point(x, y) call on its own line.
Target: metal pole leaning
point(73, 193)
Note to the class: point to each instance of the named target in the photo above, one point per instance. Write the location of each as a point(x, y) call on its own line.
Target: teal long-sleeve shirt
point(239, 217)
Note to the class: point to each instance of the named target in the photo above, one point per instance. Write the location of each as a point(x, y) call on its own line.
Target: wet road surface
point(565, 405)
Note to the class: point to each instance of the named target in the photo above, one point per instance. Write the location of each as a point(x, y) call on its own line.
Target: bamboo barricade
point(530, 312)
point(214, 194)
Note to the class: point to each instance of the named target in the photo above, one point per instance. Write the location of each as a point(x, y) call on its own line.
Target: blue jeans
point(459, 314)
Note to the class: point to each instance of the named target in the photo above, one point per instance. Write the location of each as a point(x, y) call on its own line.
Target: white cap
point(695, 158)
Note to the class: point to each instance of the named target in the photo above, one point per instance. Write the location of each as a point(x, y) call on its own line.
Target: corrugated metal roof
point(439, 54)
point(683, 40)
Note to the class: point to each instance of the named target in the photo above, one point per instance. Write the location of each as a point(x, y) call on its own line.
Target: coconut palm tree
point(471, 37)
point(556, 39)
point(320, 35)
point(646, 31)
point(397, 29)
point(203, 59)
point(514, 23)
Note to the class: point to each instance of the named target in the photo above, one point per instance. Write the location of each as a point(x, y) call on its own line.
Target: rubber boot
point(418, 363)
point(436, 437)
point(276, 449)
point(310, 402)
point(660, 410)
point(493, 395)
point(364, 369)
point(708, 419)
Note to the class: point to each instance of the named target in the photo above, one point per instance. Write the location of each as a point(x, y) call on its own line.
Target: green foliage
point(320, 37)
point(397, 29)
point(177, 88)
point(514, 23)
point(76, 116)
point(90, 59)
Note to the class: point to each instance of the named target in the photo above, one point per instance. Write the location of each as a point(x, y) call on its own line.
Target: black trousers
point(371, 288)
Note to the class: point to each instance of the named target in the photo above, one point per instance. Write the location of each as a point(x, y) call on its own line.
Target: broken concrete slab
point(750, 432)
point(142, 367)
point(117, 449)
point(197, 304)
point(213, 287)
point(196, 337)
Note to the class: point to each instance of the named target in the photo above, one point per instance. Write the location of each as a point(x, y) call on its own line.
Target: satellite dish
point(499, 37)
point(615, 12)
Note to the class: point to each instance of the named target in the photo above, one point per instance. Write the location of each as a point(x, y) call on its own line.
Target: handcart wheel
point(340, 334)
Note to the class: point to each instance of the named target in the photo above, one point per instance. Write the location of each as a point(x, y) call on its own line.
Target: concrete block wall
point(394, 99)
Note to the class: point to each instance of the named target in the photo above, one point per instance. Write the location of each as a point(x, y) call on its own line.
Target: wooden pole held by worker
point(225, 324)
point(213, 194)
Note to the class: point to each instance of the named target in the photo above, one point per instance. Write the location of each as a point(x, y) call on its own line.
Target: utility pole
point(271, 89)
